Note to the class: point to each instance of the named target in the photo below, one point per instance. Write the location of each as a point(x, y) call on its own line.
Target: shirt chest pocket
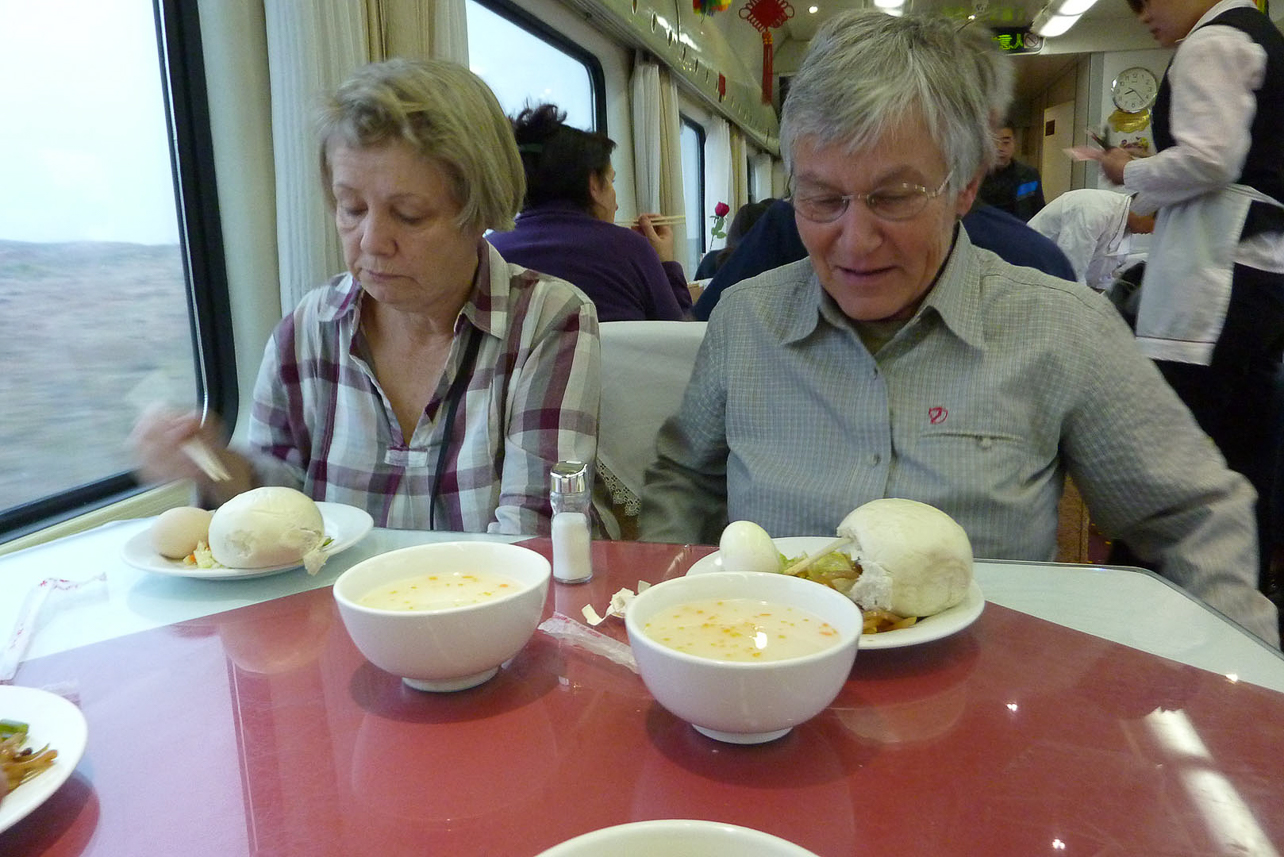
point(982, 456)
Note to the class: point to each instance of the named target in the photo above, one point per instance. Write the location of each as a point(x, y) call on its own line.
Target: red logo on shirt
point(937, 415)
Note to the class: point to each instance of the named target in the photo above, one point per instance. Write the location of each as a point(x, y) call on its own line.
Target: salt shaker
point(572, 548)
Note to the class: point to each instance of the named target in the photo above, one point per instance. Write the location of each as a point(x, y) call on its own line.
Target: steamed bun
point(924, 552)
point(267, 527)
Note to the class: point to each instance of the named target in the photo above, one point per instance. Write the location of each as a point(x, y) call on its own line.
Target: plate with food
point(42, 737)
point(906, 564)
point(261, 532)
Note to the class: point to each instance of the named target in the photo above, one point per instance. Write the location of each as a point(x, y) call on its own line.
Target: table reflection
point(809, 768)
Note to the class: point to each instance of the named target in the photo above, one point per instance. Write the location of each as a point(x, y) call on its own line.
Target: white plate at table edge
point(53, 721)
point(925, 630)
point(631, 836)
point(345, 524)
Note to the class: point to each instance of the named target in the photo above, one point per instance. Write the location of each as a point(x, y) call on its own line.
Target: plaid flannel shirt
point(320, 421)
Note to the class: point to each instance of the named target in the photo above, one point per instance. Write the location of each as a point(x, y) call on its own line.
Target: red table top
point(263, 730)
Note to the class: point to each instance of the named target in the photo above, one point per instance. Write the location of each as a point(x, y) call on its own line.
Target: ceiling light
point(1074, 7)
point(885, 5)
point(813, 9)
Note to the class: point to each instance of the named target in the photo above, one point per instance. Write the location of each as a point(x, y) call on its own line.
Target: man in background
point(1012, 186)
point(1094, 228)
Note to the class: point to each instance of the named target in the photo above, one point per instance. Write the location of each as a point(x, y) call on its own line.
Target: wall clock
point(1134, 89)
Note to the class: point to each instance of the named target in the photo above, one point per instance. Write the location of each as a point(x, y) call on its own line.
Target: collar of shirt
point(487, 307)
point(955, 298)
point(1218, 9)
point(557, 208)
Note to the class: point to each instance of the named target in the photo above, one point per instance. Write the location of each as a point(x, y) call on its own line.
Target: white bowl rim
point(445, 611)
point(605, 835)
point(846, 639)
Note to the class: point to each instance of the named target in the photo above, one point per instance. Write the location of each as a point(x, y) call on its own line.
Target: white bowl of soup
point(444, 616)
point(743, 656)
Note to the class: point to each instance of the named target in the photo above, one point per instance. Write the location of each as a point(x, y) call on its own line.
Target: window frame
point(519, 17)
point(187, 117)
point(701, 138)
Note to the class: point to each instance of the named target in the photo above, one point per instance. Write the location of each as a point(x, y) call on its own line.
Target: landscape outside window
point(92, 287)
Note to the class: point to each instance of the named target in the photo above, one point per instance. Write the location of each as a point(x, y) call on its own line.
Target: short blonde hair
point(447, 114)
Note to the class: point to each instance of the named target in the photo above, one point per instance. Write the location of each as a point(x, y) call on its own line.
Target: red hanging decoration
point(766, 15)
point(709, 7)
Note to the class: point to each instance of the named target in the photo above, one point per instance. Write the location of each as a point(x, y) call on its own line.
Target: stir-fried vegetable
point(19, 764)
point(839, 571)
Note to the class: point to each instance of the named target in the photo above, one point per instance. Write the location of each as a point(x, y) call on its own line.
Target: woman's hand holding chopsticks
point(658, 233)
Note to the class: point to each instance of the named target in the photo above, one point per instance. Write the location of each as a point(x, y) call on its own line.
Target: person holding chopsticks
point(435, 383)
point(567, 225)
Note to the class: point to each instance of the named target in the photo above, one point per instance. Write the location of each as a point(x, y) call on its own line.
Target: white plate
point(674, 837)
point(53, 721)
point(346, 525)
point(924, 630)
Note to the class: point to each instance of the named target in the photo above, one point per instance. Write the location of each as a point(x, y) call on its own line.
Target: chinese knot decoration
point(766, 15)
point(720, 212)
point(709, 7)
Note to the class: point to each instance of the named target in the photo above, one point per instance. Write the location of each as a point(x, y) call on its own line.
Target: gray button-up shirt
point(1004, 381)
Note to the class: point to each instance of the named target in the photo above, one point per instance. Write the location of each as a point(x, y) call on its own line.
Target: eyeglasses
point(895, 202)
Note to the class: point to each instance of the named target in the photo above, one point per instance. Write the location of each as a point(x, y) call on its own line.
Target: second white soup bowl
point(744, 702)
point(452, 648)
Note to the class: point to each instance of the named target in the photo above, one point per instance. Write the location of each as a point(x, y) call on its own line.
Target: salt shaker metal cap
point(569, 477)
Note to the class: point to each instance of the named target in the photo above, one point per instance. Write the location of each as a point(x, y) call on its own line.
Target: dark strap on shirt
point(453, 396)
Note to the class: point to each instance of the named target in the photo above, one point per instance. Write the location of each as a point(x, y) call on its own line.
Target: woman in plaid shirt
point(433, 384)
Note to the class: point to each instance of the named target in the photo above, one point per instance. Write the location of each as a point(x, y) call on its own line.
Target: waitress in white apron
point(1212, 305)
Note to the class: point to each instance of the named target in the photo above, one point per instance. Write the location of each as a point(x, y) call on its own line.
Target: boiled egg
point(745, 546)
point(176, 532)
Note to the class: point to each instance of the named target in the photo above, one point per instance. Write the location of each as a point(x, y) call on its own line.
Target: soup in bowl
point(743, 656)
point(444, 616)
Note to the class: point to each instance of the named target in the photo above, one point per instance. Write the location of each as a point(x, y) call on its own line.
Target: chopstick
point(206, 460)
point(807, 561)
point(657, 220)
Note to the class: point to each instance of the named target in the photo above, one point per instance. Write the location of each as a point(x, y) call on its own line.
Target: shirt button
point(875, 459)
point(987, 442)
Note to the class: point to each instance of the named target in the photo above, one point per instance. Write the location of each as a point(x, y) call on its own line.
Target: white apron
point(1187, 285)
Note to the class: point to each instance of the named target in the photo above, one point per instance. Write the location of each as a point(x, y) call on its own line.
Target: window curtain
point(313, 45)
point(740, 171)
point(719, 172)
point(657, 157)
point(410, 28)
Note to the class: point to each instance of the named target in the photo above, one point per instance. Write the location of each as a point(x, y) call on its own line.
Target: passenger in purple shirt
point(567, 225)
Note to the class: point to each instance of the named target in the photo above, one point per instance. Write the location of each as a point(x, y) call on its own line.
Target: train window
point(568, 76)
point(692, 143)
point(94, 267)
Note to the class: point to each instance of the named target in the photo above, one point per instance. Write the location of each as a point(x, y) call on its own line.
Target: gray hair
point(865, 71)
point(994, 70)
point(447, 114)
